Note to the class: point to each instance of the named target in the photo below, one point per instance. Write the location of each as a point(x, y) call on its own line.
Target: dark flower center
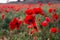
point(30, 20)
point(17, 24)
point(37, 12)
point(35, 27)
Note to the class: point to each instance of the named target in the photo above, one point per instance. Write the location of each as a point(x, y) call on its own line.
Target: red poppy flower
point(15, 23)
point(47, 19)
point(53, 30)
point(44, 23)
point(55, 16)
point(50, 10)
point(12, 25)
point(42, 13)
point(3, 6)
point(7, 10)
point(38, 11)
point(3, 16)
point(11, 6)
point(29, 12)
point(29, 19)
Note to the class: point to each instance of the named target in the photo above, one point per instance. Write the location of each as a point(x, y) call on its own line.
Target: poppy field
point(30, 21)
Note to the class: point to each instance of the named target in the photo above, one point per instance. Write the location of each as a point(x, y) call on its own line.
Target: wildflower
point(44, 23)
point(15, 23)
point(29, 12)
point(38, 11)
point(55, 16)
point(3, 16)
point(54, 10)
point(53, 30)
point(29, 19)
point(50, 10)
point(7, 10)
point(47, 19)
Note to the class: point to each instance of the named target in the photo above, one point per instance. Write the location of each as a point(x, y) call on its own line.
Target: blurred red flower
point(55, 16)
point(29, 19)
point(7, 10)
point(50, 10)
point(44, 23)
point(38, 11)
point(53, 30)
point(29, 12)
point(3, 7)
point(10, 6)
point(3, 16)
point(47, 19)
point(15, 23)
point(54, 10)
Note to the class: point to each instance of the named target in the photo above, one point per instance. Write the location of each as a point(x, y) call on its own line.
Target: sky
point(5, 1)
